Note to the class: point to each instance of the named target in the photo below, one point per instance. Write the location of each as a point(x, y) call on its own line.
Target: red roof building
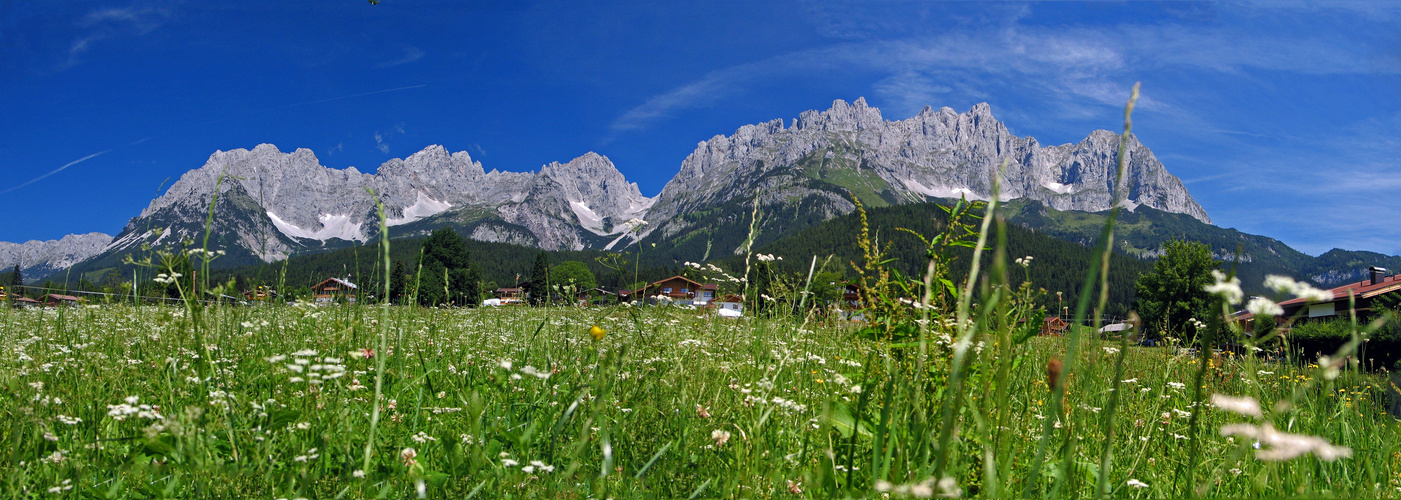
point(1377, 284)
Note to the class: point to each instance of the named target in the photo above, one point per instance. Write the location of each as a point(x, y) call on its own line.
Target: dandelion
point(597, 332)
point(1244, 406)
point(720, 437)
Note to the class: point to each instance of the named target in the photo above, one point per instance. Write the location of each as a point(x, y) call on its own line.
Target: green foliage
point(1175, 291)
point(573, 273)
point(540, 280)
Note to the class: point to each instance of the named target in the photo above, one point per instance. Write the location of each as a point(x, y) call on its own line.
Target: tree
point(16, 279)
point(573, 273)
point(398, 281)
point(1175, 291)
point(432, 290)
point(540, 280)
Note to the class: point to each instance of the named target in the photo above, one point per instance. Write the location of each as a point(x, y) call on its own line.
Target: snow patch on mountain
point(332, 226)
point(423, 207)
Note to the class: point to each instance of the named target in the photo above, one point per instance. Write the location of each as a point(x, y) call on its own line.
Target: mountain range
point(273, 204)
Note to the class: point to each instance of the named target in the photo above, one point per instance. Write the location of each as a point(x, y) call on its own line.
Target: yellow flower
point(597, 332)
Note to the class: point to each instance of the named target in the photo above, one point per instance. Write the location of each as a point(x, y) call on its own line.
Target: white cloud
point(110, 23)
point(411, 54)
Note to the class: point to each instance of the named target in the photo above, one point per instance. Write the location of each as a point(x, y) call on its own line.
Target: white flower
point(1261, 306)
point(1111, 350)
point(358, 473)
point(505, 364)
point(408, 455)
point(1137, 484)
point(1227, 289)
point(506, 462)
point(1285, 284)
point(721, 437)
point(1285, 446)
point(1244, 406)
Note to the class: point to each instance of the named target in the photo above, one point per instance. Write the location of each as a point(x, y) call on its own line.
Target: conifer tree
point(540, 280)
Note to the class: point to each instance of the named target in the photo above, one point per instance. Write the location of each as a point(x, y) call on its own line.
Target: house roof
point(25, 299)
point(729, 297)
point(1362, 289)
point(62, 297)
point(347, 284)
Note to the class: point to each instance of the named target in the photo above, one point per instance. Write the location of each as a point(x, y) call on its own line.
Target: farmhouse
point(511, 295)
point(1053, 326)
point(677, 289)
point(259, 294)
point(730, 302)
point(334, 289)
point(594, 296)
point(1371, 295)
point(54, 299)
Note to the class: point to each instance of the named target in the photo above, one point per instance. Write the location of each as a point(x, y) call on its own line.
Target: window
point(684, 290)
point(666, 290)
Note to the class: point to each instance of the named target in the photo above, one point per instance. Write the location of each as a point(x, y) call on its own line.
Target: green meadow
point(281, 402)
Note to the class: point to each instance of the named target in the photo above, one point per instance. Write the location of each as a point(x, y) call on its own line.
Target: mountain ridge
point(288, 203)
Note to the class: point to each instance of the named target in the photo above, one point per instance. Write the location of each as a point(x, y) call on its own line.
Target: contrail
point(352, 96)
point(57, 170)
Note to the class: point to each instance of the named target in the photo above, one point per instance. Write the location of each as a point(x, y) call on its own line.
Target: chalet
point(22, 301)
point(851, 294)
point(259, 294)
point(677, 289)
point(1369, 293)
point(1053, 326)
point(334, 289)
point(54, 299)
point(595, 296)
point(729, 302)
point(508, 296)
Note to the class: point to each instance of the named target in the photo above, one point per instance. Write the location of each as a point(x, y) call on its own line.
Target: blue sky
point(1281, 117)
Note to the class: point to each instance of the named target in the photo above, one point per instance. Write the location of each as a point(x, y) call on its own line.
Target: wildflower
point(531, 370)
point(1285, 446)
point(506, 462)
point(1176, 385)
point(1137, 484)
point(1244, 406)
point(66, 485)
point(704, 412)
point(505, 364)
point(721, 437)
point(408, 456)
point(540, 466)
point(1228, 289)
point(795, 487)
point(1024, 261)
point(1261, 306)
point(68, 420)
point(597, 332)
point(1111, 350)
point(358, 473)
point(1285, 284)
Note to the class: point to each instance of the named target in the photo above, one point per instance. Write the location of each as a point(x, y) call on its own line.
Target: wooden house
point(54, 299)
point(22, 301)
point(1053, 325)
point(851, 294)
point(334, 289)
point(730, 302)
point(1378, 286)
point(259, 294)
point(510, 296)
point(676, 289)
point(594, 296)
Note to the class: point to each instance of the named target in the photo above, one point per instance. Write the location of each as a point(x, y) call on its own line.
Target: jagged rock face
point(273, 204)
point(38, 259)
point(935, 154)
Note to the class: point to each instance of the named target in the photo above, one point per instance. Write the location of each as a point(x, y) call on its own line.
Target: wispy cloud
point(382, 137)
point(1066, 65)
point(411, 54)
point(109, 23)
point(57, 170)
